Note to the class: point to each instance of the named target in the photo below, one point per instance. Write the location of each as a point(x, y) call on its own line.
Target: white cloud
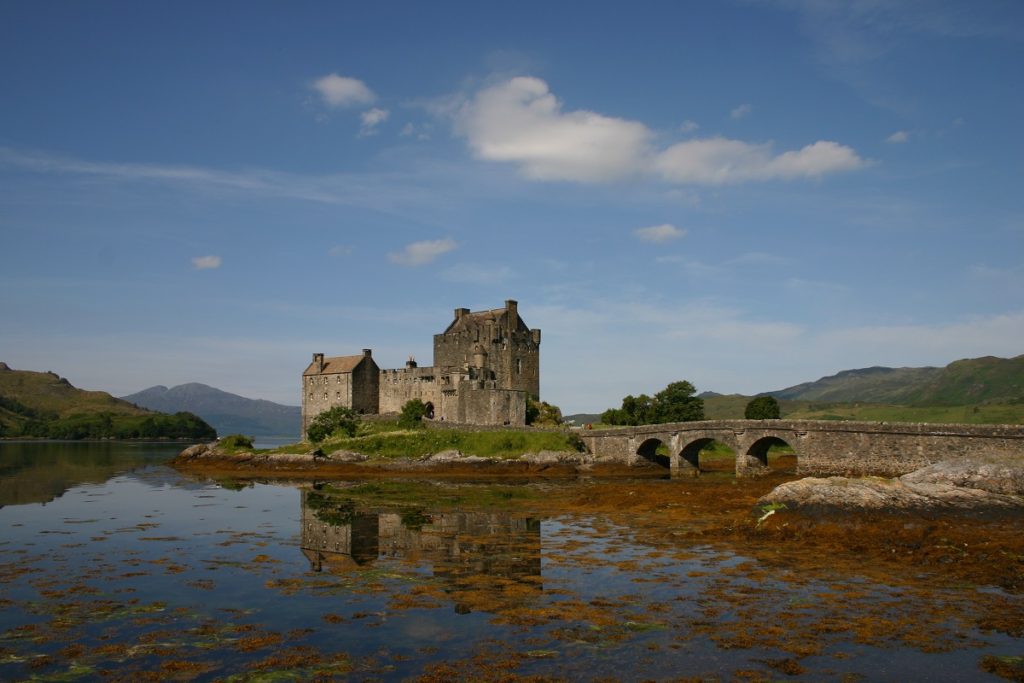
point(342, 91)
point(659, 233)
point(372, 118)
point(898, 137)
point(688, 126)
point(340, 250)
point(206, 262)
point(740, 112)
point(419, 253)
point(720, 161)
point(521, 122)
point(420, 132)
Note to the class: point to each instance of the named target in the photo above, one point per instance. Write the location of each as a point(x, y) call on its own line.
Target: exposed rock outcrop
point(995, 481)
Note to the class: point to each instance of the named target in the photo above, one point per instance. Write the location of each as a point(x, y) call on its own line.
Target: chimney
point(411, 363)
point(367, 353)
point(512, 306)
point(318, 362)
point(459, 312)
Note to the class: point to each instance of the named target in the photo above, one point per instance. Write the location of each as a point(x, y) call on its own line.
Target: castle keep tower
point(486, 365)
point(496, 343)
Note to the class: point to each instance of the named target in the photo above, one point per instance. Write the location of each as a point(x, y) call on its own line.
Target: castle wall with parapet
point(399, 386)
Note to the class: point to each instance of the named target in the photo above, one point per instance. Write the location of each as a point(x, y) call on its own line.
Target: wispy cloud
point(206, 262)
point(372, 118)
point(658, 234)
point(898, 137)
point(387, 192)
point(340, 250)
point(420, 253)
point(741, 112)
point(342, 91)
point(520, 121)
point(688, 126)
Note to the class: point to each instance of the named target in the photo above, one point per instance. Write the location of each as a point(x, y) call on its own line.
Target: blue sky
point(744, 194)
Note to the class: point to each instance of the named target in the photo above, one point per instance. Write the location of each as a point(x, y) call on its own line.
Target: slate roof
point(335, 365)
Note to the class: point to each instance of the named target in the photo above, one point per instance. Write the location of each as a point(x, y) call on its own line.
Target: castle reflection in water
point(339, 536)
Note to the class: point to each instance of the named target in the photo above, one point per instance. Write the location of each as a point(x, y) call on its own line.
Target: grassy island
point(386, 439)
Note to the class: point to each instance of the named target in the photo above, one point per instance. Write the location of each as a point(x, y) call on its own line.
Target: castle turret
point(479, 356)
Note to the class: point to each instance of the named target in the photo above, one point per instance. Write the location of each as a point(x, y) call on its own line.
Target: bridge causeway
point(822, 447)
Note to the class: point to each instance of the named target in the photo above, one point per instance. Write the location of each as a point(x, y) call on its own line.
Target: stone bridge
point(822, 447)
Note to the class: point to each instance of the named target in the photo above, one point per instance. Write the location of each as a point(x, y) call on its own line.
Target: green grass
point(383, 441)
point(981, 414)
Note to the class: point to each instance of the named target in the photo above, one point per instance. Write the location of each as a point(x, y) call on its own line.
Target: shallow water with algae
point(115, 566)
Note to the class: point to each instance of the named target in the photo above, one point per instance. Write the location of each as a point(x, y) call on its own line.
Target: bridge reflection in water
point(340, 536)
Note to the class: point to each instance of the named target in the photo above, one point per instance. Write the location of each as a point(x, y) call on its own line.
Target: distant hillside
point(43, 404)
point(973, 381)
point(871, 385)
point(580, 419)
point(964, 382)
point(228, 413)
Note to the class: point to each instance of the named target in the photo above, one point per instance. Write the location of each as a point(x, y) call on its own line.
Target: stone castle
point(486, 365)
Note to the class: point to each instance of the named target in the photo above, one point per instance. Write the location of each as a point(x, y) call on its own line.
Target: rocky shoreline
point(994, 482)
point(208, 457)
point(969, 483)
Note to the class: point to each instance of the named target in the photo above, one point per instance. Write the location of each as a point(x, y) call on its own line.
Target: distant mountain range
point(964, 382)
point(228, 413)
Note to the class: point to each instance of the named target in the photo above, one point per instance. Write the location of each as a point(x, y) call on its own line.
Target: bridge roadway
point(822, 447)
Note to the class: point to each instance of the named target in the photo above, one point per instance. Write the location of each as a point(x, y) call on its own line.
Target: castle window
point(337, 394)
point(519, 366)
point(325, 395)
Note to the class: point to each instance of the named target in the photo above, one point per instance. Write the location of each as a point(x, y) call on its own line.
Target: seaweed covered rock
point(995, 481)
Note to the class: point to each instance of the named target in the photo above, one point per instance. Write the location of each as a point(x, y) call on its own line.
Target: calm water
point(113, 565)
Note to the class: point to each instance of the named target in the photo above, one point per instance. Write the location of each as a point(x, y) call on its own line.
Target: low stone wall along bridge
point(821, 447)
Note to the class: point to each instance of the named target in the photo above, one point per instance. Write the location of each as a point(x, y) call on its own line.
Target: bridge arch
point(654, 450)
point(690, 457)
point(758, 450)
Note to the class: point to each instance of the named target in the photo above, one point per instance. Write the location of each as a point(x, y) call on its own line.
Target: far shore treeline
point(45, 405)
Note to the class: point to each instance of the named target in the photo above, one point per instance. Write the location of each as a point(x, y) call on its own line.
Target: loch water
point(115, 566)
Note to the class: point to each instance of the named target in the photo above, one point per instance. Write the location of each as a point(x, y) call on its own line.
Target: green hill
point(967, 382)
point(985, 390)
point(43, 404)
point(973, 381)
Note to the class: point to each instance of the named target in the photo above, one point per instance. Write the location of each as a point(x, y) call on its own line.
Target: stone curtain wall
point(822, 447)
point(397, 387)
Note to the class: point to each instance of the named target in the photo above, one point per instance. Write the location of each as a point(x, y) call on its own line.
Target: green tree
point(329, 422)
point(674, 403)
point(542, 413)
point(677, 403)
point(763, 408)
point(412, 414)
